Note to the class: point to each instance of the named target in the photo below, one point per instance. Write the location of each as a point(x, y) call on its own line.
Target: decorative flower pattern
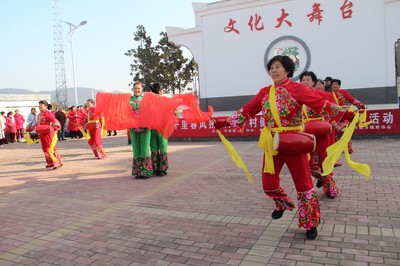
point(135, 103)
point(329, 186)
point(142, 166)
point(282, 200)
point(309, 214)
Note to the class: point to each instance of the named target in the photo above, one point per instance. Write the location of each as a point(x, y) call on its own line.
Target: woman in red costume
point(341, 98)
point(73, 122)
point(281, 105)
point(93, 125)
point(47, 127)
point(327, 183)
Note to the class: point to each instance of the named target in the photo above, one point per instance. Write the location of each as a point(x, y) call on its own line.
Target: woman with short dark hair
point(46, 127)
point(158, 144)
point(281, 105)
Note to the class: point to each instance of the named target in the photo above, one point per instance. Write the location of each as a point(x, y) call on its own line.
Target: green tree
point(145, 58)
point(163, 62)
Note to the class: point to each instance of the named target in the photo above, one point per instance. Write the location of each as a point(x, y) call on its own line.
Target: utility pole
point(61, 85)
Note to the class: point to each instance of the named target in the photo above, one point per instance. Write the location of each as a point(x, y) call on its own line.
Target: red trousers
point(298, 167)
point(52, 158)
point(309, 213)
point(95, 142)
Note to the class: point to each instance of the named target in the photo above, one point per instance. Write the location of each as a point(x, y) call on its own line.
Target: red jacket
point(11, 125)
point(19, 121)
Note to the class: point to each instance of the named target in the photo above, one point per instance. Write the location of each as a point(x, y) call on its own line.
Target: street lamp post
point(72, 29)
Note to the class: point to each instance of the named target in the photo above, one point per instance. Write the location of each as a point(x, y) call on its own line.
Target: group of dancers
point(149, 146)
point(286, 106)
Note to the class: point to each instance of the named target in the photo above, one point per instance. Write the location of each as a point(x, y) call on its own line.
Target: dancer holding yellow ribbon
point(281, 106)
point(94, 125)
point(46, 128)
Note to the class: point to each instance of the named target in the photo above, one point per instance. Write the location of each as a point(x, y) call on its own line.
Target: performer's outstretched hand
point(220, 123)
point(360, 106)
point(348, 115)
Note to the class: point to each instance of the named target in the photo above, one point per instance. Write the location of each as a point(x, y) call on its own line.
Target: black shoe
point(142, 177)
point(129, 142)
point(163, 173)
point(157, 173)
point(329, 196)
point(277, 214)
point(312, 233)
point(319, 183)
point(49, 166)
point(114, 134)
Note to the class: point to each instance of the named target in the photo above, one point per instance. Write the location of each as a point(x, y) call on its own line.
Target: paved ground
point(204, 212)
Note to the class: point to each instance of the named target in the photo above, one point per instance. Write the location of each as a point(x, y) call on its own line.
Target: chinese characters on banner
point(316, 15)
point(383, 122)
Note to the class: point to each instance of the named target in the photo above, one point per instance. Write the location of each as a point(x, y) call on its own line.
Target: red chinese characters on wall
point(255, 22)
point(282, 19)
point(316, 14)
point(346, 9)
point(231, 27)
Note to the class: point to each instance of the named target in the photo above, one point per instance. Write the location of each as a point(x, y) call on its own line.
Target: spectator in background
point(73, 122)
point(319, 85)
point(11, 127)
point(82, 113)
point(109, 132)
point(2, 130)
point(62, 118)
point(31, 120)
point(328, 82)
point(19, 122)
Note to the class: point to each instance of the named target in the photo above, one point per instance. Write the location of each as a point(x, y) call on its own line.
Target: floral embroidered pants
point(309, 213)
point(141, 164)
point(158, 148)
point(328, 183)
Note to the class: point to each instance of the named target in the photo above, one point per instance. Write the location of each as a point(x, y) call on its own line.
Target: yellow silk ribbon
point(274, 108)
point(103, 131)
point(52, 146)
point(235, 156)
point(86, 134)
point(334, 151)
point(29, 140)
point(334, 96)
point(363, 119)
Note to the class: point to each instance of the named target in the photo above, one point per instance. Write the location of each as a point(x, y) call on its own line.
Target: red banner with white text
point(384, 122)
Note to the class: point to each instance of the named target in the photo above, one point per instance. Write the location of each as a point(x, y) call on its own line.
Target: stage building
point(355, 41)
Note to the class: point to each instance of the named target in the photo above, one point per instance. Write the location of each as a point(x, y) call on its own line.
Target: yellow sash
point(334, 151)
point(52, 146)
point(266, 140)
point(86, 134)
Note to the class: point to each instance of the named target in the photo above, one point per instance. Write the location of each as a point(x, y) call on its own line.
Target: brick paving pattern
point(204, 212)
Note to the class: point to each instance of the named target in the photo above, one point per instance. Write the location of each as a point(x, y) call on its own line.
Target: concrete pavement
point(204, 212)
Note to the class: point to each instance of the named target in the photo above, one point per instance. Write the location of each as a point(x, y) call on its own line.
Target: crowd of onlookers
point(14, 125)
point(11, 127)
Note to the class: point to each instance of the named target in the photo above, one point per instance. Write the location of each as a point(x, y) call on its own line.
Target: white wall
point(359, 50)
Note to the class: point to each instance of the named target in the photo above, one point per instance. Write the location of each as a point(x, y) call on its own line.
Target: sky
point(27, 39)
